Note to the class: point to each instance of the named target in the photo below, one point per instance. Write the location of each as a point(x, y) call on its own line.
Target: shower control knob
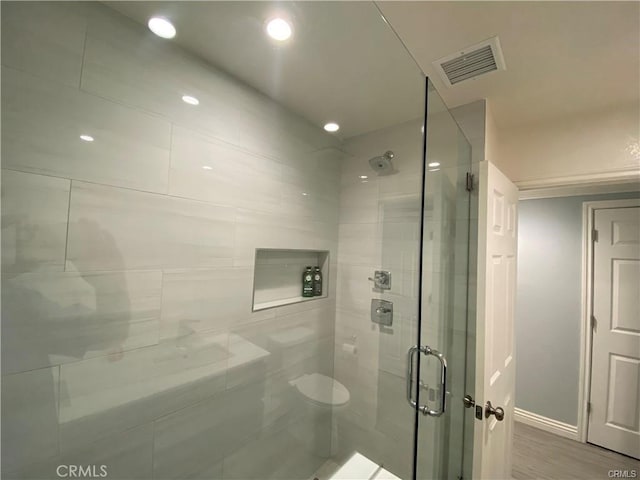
point(497, 412)
point(381, 279)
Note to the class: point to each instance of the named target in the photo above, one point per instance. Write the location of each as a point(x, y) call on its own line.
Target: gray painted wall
point(548, 308)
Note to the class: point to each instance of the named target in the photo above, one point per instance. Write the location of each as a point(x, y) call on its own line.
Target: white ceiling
point(562, 57)
point(345, 64)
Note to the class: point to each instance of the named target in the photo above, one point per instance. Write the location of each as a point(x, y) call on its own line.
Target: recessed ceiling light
point(207, 167)
point(162, 27)
point(434, 164)
point(190, 100)
point(86, 138)
point(279, 29)
point(332, 127)
point(363, 176)
point(305, 194)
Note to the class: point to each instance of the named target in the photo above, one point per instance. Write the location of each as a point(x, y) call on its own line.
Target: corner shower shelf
point(277, 276)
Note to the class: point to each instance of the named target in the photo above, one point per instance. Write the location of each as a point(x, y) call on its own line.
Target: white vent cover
point(471, 62)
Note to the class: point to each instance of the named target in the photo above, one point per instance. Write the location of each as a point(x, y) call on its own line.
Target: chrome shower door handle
point(443, 382)
point(425, 350)
point(410, 356)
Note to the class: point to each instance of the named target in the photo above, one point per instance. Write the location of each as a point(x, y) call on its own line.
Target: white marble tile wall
point(34, 222)
point(43, 121)
point(211, 299)
point(47, 41)
point(117, 228)
point(206, 169)
point(30, 424)
point(126, 455)
point(265, 451)
point(379, 229)
point(127, 262)
point(280, 230)
point(55, 318)
point(191, 441)
point(227, 110)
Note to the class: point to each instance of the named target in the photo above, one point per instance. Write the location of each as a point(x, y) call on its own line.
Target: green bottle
point(307, 282)
point(317, 282)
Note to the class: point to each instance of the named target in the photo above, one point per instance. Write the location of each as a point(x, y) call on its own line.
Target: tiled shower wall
point(379, 229)
point(127, 337)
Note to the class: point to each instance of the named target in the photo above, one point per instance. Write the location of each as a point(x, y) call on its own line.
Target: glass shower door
point(444, 441)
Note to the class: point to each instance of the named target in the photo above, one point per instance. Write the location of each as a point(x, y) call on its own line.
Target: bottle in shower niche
point(307, 282)
point(317, 282)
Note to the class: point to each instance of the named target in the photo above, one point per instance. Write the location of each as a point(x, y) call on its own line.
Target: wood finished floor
point(541, 455)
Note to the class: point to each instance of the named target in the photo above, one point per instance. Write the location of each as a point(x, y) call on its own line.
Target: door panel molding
point(584, 386)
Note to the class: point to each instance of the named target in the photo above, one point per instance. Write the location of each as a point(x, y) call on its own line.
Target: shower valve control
point(381, 279)
point(382, 312)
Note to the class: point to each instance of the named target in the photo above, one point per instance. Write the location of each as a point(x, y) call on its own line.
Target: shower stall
point(161, 199)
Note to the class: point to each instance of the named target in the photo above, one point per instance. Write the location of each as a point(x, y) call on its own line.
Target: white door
point(495, 362)
point(614, 418)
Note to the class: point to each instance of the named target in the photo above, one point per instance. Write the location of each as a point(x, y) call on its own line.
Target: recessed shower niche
point(277, 276)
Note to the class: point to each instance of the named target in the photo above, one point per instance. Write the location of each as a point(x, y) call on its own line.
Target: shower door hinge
point(588, 407)
point(594, 235)
point(469, 182)
point(594, 322)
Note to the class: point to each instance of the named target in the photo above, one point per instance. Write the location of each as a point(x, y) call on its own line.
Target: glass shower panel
point(380, 224)
point(444, 441)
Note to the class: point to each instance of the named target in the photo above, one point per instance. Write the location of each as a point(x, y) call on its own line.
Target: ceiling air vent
point(471, 62)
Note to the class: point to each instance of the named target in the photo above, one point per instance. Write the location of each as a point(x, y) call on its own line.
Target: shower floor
point(326, 470)
point(358, 467)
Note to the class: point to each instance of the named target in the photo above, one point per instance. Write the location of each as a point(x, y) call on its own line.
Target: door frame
point(584, 386)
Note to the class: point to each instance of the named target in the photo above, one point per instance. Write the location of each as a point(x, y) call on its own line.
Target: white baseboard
point(546, 424)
